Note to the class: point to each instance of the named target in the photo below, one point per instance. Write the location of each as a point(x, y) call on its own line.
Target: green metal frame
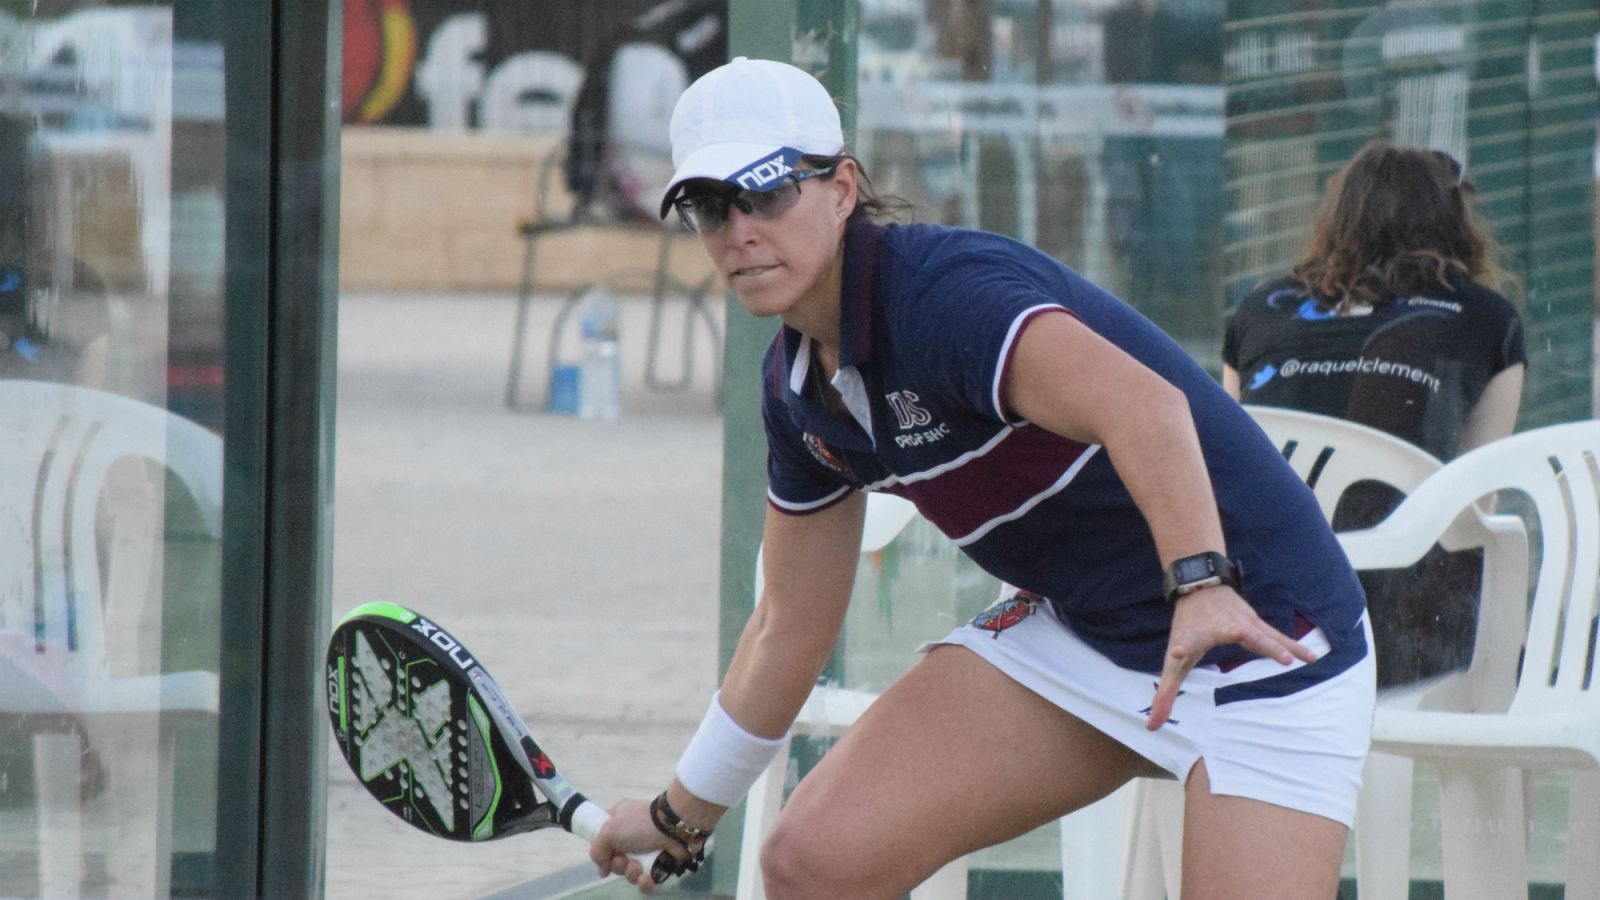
point(282, 69)
point(819, 36)
point(770, 29)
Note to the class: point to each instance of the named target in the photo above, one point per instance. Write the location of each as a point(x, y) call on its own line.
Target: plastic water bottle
point(600, 376)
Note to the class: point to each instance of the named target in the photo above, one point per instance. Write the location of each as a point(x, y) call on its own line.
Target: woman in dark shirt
point(1394, 317)
point(993, 386)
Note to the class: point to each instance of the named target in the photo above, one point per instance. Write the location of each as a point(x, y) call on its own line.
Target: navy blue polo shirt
point(930, 316)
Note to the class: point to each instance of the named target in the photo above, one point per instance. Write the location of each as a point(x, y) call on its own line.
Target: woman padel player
point(1190, 610)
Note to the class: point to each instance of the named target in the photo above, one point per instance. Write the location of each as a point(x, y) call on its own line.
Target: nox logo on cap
point(768, 173)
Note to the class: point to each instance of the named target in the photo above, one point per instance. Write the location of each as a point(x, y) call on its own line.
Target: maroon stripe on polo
point(1027, 463)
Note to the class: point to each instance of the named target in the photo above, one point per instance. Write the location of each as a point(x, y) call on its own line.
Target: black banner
point(473, 63)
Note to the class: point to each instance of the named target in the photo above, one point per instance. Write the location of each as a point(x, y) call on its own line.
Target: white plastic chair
point(1552, 719)
point(80, 616)
point(1331, 455)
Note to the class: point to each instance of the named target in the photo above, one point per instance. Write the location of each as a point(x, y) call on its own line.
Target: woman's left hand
point(1211, 617)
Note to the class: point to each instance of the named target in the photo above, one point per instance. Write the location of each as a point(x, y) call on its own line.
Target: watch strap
point(1191, 573)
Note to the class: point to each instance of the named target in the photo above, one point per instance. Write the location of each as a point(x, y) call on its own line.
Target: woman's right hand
point(630, 831)
point(1211, 617)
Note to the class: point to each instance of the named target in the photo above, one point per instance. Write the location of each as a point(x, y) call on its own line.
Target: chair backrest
point(58, 443)
point(1557, 468)
point(1331, 454)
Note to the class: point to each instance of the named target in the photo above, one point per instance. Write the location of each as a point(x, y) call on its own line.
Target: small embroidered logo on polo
point(823, 455)
point(1006, 613)
point(907, 412)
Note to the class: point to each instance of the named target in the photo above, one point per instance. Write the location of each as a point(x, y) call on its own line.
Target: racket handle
point(586, 822)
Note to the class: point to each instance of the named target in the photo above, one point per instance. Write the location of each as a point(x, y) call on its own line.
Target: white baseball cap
point(748, 122)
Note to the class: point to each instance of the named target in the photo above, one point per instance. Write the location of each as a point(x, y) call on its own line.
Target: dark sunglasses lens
point(774, 203)
point(709, 212)
point(704, 212)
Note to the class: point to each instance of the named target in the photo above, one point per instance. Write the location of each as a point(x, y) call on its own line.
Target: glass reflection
point(1092, 130)
point(110, 511)
point(1175, 150)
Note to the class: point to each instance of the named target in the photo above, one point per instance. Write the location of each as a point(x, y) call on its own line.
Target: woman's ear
point(845, 175)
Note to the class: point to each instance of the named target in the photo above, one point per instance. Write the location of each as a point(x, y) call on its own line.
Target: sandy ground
point(579, 560)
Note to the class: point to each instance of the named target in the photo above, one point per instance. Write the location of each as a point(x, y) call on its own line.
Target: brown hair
point(869, 203)
point(1395, 222)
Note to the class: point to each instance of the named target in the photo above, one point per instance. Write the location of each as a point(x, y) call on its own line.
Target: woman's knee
point(803, 858)
point(797, 859)
point(786, 858)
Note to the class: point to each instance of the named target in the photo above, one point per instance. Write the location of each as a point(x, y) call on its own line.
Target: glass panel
point(1306, 92)
point(1508, 88)
point(510, 399)
point(1173, 159)
point(1094, 131)
point(1090, 130)
point(111, 262)
point(1179, 163)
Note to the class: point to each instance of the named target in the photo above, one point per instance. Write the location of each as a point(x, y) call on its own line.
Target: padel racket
point(432, 737)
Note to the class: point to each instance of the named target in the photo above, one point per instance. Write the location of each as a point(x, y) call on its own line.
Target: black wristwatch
point(1191, 573)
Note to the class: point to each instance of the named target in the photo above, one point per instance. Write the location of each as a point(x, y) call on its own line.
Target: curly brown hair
point(1394, 222)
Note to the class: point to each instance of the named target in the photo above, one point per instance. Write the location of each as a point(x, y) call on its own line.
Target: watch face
point(1193, 569)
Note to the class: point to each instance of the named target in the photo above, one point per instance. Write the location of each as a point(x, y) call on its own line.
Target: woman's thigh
point(1239, 847)
point(953, 757)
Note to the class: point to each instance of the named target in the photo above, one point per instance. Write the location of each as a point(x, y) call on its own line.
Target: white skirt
point(1304, 750)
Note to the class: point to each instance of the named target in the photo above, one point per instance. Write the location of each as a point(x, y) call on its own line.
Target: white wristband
point(723, 760)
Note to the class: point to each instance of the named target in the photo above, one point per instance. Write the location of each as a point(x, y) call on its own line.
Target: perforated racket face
point(415, 734)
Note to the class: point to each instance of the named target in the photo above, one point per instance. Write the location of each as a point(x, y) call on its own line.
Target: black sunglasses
point(706, 210)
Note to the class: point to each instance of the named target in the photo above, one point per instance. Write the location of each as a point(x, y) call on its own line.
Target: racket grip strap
point(583, 817)
point(569, 812)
